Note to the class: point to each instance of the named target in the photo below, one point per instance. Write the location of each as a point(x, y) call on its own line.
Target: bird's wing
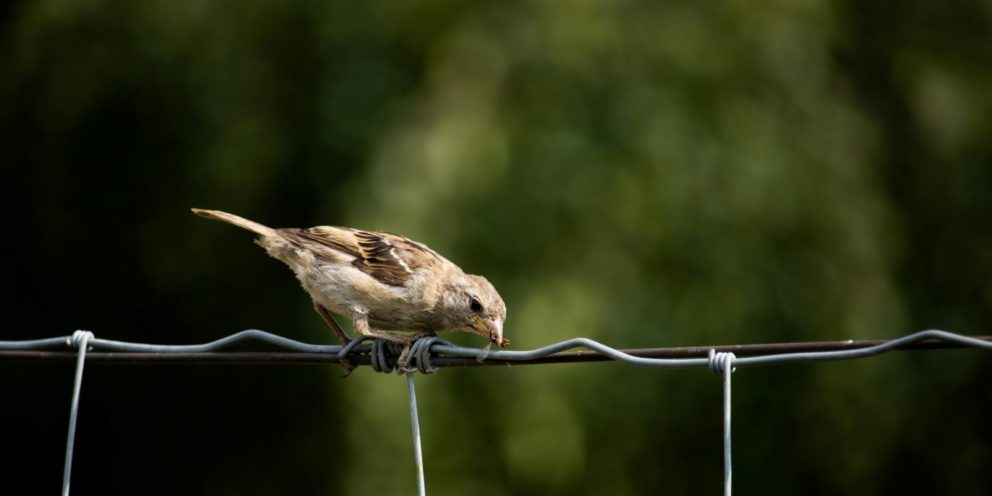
point(389, 258)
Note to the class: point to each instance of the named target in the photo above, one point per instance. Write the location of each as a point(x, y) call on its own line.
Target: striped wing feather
point(388, 258)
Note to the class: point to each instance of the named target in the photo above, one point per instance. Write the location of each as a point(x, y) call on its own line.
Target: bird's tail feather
point(234, 219)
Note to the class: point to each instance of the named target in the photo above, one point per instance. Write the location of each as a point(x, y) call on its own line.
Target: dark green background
point(641, 173)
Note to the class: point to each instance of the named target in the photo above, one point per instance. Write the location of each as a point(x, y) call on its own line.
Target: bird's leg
point(333, 324)
point(362, 327)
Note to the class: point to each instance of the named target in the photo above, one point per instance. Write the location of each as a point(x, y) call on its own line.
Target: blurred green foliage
point(644, 174)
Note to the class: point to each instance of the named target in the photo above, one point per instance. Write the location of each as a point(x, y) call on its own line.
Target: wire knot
point(78, 338)
point(384, 354)
point(387, 356)
point(721, 361)
point(420, 354)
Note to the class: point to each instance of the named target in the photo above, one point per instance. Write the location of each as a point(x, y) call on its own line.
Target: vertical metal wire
point(415, 421)
point(80, 339)
point(723, 364)
point(727, 370)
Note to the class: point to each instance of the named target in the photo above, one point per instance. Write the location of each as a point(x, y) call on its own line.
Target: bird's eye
point(475, 305)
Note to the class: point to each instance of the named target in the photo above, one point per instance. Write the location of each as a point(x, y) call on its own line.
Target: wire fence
point(429, 354)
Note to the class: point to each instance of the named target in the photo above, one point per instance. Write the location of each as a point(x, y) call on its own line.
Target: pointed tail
point(243, 223)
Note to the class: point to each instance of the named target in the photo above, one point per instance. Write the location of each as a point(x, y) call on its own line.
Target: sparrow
point(383, 282)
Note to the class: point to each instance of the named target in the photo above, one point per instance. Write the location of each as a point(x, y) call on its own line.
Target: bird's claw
point(402, 363)
point(348, 367)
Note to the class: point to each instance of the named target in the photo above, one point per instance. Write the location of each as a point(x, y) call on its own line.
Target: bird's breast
point(345, 290)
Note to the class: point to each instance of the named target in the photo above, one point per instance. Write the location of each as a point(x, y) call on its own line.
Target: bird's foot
point(402, 365)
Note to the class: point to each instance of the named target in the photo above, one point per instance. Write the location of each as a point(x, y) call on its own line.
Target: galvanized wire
point(430, 353)
point(723, 364)
point(442, 354)
point(620, 356)
point(418, 456)
point(80, 340)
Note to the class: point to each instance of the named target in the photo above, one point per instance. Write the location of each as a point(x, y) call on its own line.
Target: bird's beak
point(491, 329)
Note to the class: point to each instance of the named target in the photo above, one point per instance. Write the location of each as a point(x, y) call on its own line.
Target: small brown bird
point(382, 281)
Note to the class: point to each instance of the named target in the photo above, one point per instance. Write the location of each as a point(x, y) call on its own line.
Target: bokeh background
point(642, 173)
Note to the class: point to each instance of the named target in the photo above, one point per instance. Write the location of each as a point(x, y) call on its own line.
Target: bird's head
point(474, 305)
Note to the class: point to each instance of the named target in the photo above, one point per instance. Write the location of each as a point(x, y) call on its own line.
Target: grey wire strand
point(225, 342)
point(421, 354)
point(863, 352)
point(383, 356)
point(377, 357)
point(439, 352)
point(723, 364)
point(728, 369)
point(418, 455)
point(80, 340)
point(620, 356)
point(482, 354)
point(37, 344)
point(216, 345)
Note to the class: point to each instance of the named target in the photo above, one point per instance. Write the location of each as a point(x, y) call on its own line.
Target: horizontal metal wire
point(446, 355)
point(429, 353)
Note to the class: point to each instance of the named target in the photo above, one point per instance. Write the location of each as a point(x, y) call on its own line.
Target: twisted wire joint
point(721, 361)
